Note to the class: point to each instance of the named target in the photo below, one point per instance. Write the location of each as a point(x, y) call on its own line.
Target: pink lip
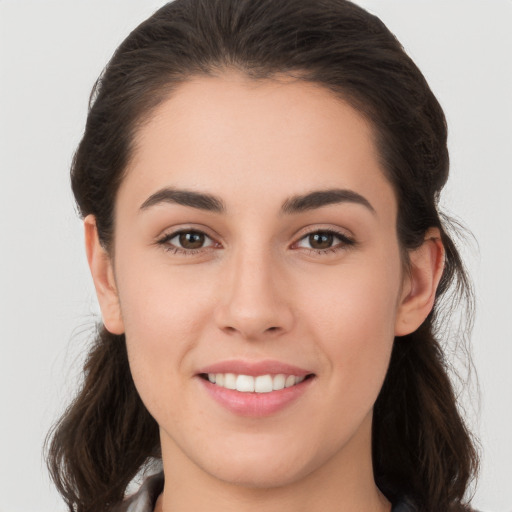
point(255, 404)
point(267, 367)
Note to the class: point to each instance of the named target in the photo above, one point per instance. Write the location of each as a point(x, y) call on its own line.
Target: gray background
point(50, 54)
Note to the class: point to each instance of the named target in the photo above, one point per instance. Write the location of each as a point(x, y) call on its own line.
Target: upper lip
point(254, 368)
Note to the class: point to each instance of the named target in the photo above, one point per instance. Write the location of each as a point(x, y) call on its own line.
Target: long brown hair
point(421, 446)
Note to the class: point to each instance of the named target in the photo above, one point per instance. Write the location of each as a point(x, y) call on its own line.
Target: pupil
point(191, 240)
point(321, 240)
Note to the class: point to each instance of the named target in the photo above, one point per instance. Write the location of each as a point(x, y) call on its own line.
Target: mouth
point(255, 388)
point(254, 383)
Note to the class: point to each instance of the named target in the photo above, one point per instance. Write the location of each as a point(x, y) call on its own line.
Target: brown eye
point(184, 241)
point(325, 241)
point(191, 240)
point(321, 240)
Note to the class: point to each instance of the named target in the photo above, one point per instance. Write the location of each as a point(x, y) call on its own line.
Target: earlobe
point(100, 265)
point(426, 265)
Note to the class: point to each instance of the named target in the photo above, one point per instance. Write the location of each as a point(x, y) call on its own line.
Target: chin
point(254, 465)
point(260, 475)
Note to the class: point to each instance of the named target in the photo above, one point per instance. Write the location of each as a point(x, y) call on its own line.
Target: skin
point(257, 290)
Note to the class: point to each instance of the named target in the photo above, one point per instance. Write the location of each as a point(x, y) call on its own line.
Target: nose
point(254, 300)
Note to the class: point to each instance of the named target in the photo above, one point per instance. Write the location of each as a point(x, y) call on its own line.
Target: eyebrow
point(294, 204)
point(319, 198)
point(186, 198)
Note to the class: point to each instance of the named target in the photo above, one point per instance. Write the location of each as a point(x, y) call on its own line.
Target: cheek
point(353, 317)
point(159, 302)
point(164, 317)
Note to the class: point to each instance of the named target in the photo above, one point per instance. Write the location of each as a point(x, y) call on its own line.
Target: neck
point(344, 482)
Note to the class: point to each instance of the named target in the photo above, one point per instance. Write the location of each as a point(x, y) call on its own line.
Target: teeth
point(279, 381)
point(245, 383)
point(230, 381)
point(263, 384)
point(250, 384)
point(290, 381)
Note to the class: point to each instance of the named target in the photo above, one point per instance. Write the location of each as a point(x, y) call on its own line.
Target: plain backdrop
point(50, 55)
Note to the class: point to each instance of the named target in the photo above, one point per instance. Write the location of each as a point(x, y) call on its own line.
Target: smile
point(253, 384)
point(255, 388)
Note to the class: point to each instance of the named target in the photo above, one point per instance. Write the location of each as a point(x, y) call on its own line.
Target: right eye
point(187, 241)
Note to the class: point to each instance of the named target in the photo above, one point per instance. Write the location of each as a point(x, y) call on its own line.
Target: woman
point(259, 183)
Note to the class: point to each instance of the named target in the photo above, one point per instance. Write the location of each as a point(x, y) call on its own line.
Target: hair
point(421, 446)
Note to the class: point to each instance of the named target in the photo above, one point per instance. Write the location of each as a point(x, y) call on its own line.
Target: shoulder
point(145, 498)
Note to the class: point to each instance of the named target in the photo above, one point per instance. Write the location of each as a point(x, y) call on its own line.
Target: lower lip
point(255, 404)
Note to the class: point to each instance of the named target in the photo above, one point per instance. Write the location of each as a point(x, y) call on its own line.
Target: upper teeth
point(250, 384)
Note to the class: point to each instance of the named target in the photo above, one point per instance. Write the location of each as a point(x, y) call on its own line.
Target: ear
point(102, 271)
point(426, 264)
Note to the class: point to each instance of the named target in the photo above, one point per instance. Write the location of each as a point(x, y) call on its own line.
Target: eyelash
point(164, 242)
point(344, 243)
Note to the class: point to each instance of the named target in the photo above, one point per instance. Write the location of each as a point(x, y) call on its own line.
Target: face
point(256, 246)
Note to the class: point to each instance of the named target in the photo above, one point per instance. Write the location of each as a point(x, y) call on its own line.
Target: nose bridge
point(252, 303)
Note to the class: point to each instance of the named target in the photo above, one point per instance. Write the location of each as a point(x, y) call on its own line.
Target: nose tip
point(254, 304)
point(250, 324)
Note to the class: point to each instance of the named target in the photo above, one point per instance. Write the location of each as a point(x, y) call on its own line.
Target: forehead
point(273, 137)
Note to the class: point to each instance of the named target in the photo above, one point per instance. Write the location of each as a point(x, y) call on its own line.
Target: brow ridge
point(320, 198)
point(190, 198)
point(295, 204)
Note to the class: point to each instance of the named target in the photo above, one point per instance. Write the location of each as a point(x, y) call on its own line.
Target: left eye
point(323, 240)
point(189, 240)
